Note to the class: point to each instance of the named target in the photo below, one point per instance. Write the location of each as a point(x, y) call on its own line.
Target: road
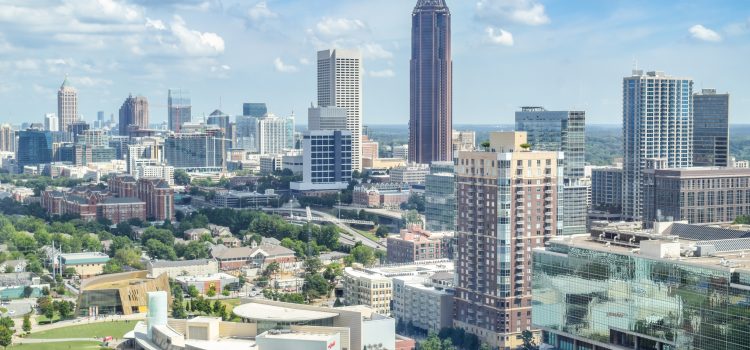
point(344, 239)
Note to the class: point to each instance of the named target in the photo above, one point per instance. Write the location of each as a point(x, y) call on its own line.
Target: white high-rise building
point(340, 85)
point(67, 106)
point(657, 124)
point(7, 138)
point(274, 134)
point(51, 122)
point(326, 118)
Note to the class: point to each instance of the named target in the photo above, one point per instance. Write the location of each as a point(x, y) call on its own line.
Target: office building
point(696, 195)
point(147, 151)
point(195, 152)
point(623, 289)
point(425, 303)
point(276, 134)
point(389, 195)
point(606, 189)
point(93, 138)
point(246, 133)
point(373, 286)
point(244, 200)
point(431, 112)
point(370, 149)
point(76, 128)
point(51, 122)
point(416, 244)
point(34, 148)
point(711, 129)
point(326, 118)
point(256, 110)
point(340, 85)
point(557, 131)
point(657, 123)
point(401, 152)
point(7, 138)
point(327, 161)
point(67, 106)
point(440, 197)
point(179, 109)
point(220, 119)
point(411, 174)
point(509, 202)
point(133, 115)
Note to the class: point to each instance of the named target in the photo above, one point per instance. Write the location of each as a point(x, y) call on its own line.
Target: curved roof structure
point(272, 313)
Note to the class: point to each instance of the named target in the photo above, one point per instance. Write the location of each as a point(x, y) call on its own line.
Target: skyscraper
point(7, 138)
point(67, 105)
point(657, 124)
point(340, 85)
point(326, 118)
point(254, 109)
point(508, 204)
point(34, 148)
point(431, 113)
point(562, 131)
point(179, 108)
point(133, 114)
point(51, 122)
point(275, 135)
point(711, 129)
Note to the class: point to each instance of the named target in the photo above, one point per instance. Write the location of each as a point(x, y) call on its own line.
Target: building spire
point(65, 82)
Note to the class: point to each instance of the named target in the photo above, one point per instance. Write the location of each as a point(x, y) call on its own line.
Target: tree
point(484, 346)
point(211, 292)
point(195, 250)
point(382, 231)
point(485, 145)
point(742, 220)
point(159, 250)
point(431, 343)
point(272, 269)
point(448, 344)
point(27, 291)
point(69, 272)
point(332, 271)
point(64, 308)
point(315, 286)
point(360, 254)
point(193, 291)
point(181, 177)
point(27, 323)
point(312, 265)
point(6, 336)
point(412, 217)
point(528, 340)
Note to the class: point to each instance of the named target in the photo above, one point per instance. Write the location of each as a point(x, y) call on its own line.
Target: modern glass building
point(246, 133)
point(254, 109)
point(440, 197)
point(711, 129)
point(657, 123)
point(562, 131)
point(589, 295)
point(179, 108)
point(195, 152)
point(431, 111)
point(34, 148)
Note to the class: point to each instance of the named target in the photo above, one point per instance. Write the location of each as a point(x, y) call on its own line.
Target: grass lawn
point(77, 345)
point(368, 234)
point(99, 330)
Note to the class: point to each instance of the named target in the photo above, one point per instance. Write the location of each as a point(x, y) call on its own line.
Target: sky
point(560, 54)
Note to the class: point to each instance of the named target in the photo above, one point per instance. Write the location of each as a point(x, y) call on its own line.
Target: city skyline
point(202, 47)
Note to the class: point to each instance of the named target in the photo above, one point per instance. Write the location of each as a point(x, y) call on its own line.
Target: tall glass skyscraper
point(34, 148)
point(180, 110)
point(257, 110)
point(431, 112)
point(657, 124)
point(711, 129)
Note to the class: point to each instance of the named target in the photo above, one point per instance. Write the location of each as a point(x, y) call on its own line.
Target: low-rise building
point(422, 303)
point(204, 283)
point(256, 257)
point(245, 200)
point(195, 234)
point(85, 264)
point(120, 293)
point(118, 210)
point(415, 244)
point(381, 195)
point(183, 267)
point(411, 174)
point(11, 266)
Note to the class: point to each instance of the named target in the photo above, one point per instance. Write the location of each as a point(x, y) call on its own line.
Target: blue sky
point(561, 54)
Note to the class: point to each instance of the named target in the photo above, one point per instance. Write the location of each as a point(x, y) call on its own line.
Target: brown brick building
point(507, 199)
point(415, 244)
point(156, 193)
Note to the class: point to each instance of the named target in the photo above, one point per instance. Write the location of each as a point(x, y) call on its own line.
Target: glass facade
point(179, 108)
point(559, 131)
point(194, 151)
point(34, 147)
point(589, 298)
point(256, 110)
point(711, 132)
point(440, 197)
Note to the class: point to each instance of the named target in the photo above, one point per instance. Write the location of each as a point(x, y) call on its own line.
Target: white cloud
point(261, 12)
point(194, 42)
point(385, 73)
point(375, 51)
point(283, 67)
point(155, 24)
point(304, 61)
point(529, 12)
point(89, 81)
point(702, 33)
point(499, 36)
point(221, 68)
point(103, 10)
point(335, 27)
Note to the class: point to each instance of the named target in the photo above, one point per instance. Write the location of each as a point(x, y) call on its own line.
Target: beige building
point(175, 269)
point(85, 264)
point(67, 106)
point(120, 293)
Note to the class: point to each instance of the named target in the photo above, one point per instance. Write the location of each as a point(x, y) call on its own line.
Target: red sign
point(331, 345)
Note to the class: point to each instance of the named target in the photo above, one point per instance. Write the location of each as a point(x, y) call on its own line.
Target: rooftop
point(206, 278)
point(180, 263)
point(264, 312)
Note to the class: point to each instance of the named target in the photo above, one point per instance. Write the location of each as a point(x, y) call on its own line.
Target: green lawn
point(99, 330)
point(77, 345)
point(368, 234)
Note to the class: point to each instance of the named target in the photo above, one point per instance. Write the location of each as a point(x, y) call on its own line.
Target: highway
point(350, 239)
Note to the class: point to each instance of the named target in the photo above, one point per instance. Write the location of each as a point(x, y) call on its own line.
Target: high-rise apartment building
point(464, 141)
point(276, 134)
point(179, 108)
point(254, 109)
point(508, 204)
point(657, 123)
point(710, 129)
point(440, 197)
point(431, 111)
point(133, 114)
point(562, 131)
point(340, 85)
point(7, 138)
point(51, 122)
point(67, 105)
point(606, 189)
